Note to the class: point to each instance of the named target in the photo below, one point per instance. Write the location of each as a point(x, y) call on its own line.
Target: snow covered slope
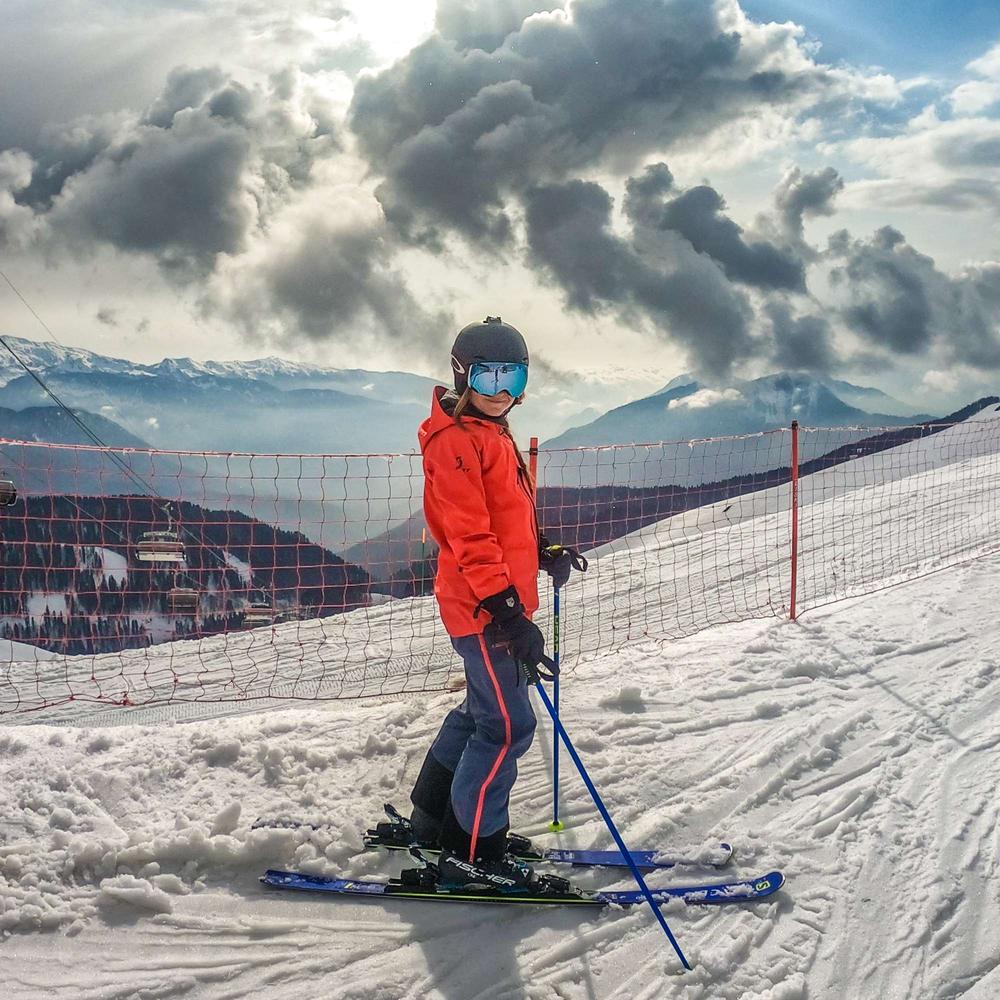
point(857, 749)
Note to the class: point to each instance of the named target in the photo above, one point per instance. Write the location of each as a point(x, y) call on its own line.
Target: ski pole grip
point(535, 674)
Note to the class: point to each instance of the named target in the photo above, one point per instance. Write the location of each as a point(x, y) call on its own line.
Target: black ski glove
point(512, 627)
point(558, 560)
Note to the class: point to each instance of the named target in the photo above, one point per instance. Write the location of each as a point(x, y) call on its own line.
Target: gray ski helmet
point(490, 340)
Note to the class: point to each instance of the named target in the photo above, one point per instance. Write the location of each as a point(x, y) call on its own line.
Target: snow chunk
point(767, 710)
point(136, 892)
point(61, 819)
point(224, 753)
point(227, 820)
point(628, 699)
point(170, 883)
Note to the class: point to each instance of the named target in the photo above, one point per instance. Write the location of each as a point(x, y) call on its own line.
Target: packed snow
point(114, 565)
point(242, 568)
point(856, 749)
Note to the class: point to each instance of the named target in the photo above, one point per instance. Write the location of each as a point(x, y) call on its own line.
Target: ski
point(397, 835)
point(718, 857)
point(742, 891)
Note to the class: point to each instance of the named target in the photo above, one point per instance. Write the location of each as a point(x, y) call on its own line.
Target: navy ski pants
point(482, 739)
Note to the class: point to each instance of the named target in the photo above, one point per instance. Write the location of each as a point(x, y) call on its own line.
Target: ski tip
point(768, 884)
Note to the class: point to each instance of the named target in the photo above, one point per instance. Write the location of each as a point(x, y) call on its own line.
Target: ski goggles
point(490, 378)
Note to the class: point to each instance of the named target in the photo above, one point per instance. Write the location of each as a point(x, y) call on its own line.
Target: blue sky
point(906, 37)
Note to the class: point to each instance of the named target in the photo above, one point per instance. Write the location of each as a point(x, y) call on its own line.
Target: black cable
point(122, 465)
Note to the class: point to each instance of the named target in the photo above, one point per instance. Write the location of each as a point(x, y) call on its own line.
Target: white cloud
point(989, 64)
point(946, 164)
point(704, 398)
point(950, 162)
point(18, 225)
point(974, 96)
point(939, 381)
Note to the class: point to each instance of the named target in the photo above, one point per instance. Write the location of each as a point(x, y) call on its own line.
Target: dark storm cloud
point(472, 203)
point(800, 195)
point(185, 88)
point(484, 24)
point(16, 221)
point(697, 215)
point(454, 132)
point(800, 342)
point(333, 282)
point(886, 284)
point(178, 193)
point(679, 272)
point(976, 320)
point(659, 281)
point(191, 178)
point(895, 299)
point(962, 194)
point(62, 151)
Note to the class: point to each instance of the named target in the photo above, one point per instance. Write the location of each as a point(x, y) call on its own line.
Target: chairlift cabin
point(258, 614)
point(160, 547)
point(8, 492)
point(182, 601)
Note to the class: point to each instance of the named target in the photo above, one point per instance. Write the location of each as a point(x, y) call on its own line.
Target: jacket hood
point(440, 418)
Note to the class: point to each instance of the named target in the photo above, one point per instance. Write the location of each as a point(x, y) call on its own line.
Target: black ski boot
point(506, 874)
point(424, 831)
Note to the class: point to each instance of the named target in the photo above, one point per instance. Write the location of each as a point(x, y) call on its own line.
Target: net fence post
point(795, 520)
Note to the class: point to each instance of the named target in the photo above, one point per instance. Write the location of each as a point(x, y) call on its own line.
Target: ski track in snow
point(856, 749)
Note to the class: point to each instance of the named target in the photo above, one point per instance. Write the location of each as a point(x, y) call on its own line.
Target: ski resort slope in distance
point(857, 749)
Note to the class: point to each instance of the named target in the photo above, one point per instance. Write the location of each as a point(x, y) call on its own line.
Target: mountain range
point(687, 408)
point(273, 405)
point(266, 406)
point(270, 405)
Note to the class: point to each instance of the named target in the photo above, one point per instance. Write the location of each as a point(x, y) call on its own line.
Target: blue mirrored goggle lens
point(491, 378)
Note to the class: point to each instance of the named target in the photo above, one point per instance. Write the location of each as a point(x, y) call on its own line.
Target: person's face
point(492, 406)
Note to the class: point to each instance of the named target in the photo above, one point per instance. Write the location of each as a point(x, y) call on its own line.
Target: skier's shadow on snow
point(470, 952)
point(475, 953)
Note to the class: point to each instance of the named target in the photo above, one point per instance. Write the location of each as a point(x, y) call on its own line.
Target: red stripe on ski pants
point(482, 739)
point(503, 750)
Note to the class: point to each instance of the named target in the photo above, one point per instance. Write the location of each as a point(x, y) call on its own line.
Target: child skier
point(479, 506)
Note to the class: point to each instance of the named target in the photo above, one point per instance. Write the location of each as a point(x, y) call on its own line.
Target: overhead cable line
point(129, 472)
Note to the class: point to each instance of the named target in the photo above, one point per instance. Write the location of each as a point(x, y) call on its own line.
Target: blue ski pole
point(556, 826)
point(571, 750)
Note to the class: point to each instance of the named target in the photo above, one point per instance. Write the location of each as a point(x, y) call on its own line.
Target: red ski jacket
point(479, 507)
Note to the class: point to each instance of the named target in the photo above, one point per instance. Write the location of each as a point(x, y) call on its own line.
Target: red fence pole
point(795, 516)
point(533, 464)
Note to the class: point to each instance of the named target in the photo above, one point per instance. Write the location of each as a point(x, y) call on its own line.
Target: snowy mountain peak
point(678, 382)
